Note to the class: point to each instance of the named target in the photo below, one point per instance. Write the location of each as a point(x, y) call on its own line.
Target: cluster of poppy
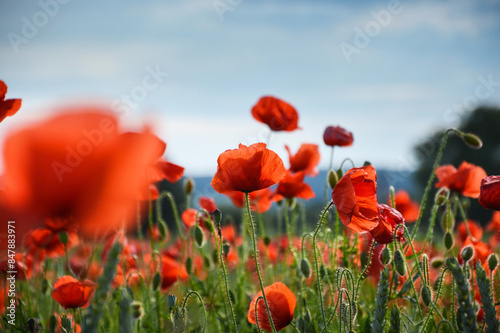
point(80, 174)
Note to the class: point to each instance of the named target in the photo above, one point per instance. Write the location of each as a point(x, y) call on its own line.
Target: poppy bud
point(437, 263)
point(467, 253)
point(472, 140)
point(189, 265)
point(171, 300)
point(448, 240)
point(340, 173)
point(156, 281)
point(198, 236)
point(442, 196)
point(367, 163)
point(217, 216)
point(267, 240)
point(137, 310)
point(305, 268)
point(226, 247)
point(333, 178)
point(385, 257)
point(399, 262)
point(189, 186)
point(209, 225)
point(426, 295)
point(492, 261)
point(448, 219)
point(63, 237)
point(322, 271)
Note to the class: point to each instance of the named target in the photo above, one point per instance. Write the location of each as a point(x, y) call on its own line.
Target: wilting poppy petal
point(247, 169)
point(337, 136)
point(489, 196)
point(277, 114)
point(71, 293)
point(466, 180)
point(389, 219)
point(306, 159)
point(355, 197)
point(281, 301)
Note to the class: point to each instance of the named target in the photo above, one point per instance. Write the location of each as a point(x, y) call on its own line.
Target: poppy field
point(86, 247)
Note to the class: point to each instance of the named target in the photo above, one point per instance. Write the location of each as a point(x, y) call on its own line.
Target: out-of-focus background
point(392, 72)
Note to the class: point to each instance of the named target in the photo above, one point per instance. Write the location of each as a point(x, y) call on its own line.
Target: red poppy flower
point(489, 192)
point(171, 271)
point(389, 219)
point(8, 107)
point(260, 201)
point(247, 169)
point(207, 204)
point(277, 114)
point(306, 159)
point(189, 217)
point(475, 229)
point(337, 136)
point(281, 303)
point(466, 180)
point(293, 186)
point(355, 197)
point(406, 206)
point(71, 293)
point(78, 165)
point(44, 242)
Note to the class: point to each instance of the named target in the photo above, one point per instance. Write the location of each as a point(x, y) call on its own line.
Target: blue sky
point(420, 65)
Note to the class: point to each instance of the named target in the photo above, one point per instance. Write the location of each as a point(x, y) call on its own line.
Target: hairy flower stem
point(316, 266)
point(464, 217)
point(431, 179)
point(256, 257)
point(193, 292)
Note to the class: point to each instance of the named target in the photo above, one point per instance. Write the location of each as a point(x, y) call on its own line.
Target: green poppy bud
point(305, 268)
point(437, 263)
point(399, 262)
point(171, 300)
point(198, 236)
point(448, 240)
point(426, 295)
point(385, 257)
point(189, 265)
point(156, 281)
point(64, 237)
point(467, 253)
point(492, 261)
point(189, 186)
point(472, 140)
point(333, 178)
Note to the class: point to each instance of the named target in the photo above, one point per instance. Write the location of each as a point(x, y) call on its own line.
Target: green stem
point(363, 274)
point(252, 226)
point(316, 266)
point(431, 179)
point(193, 292)
point(431, 226)
point(464, 218)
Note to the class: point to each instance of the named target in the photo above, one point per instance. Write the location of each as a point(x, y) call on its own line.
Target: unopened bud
point(163, 230)
point(385, 257)
point(340, 173)
point(305, 268)
point(198, 236)
point(189, 265)
point(448, 219)
point(367, 163)
point(399, 262)
point(189, 186)
point(492, 261)
point(448, 240)
point(333, 178)
point(267, 240)
point(217, 216)
point(156, 281)
point(472, 140)
point(437, 263)
point(467, 253)
point(63, 237)
point(171, 300)
point(442, 196)
point(226, 247)
point(426, 295)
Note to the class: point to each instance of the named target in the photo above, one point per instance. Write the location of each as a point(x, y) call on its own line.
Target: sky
point(391, 72)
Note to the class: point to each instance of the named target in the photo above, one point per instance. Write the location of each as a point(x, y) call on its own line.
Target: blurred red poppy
point(489, 192)
point(260, 201)
point(189, 217)
point(281, 301)
point(71, 293)
point(247, 169)
point(277, 114)
point(78, 165)
point(389, 219)
point(466, 180)
point(306, 159)
point(293, 186)
point(475, 229)
point(337, 136)
point(44, 242)
point(355, 197)
point(171, 271)
point(406, 206)
point(8, 107)
point(207, 204)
